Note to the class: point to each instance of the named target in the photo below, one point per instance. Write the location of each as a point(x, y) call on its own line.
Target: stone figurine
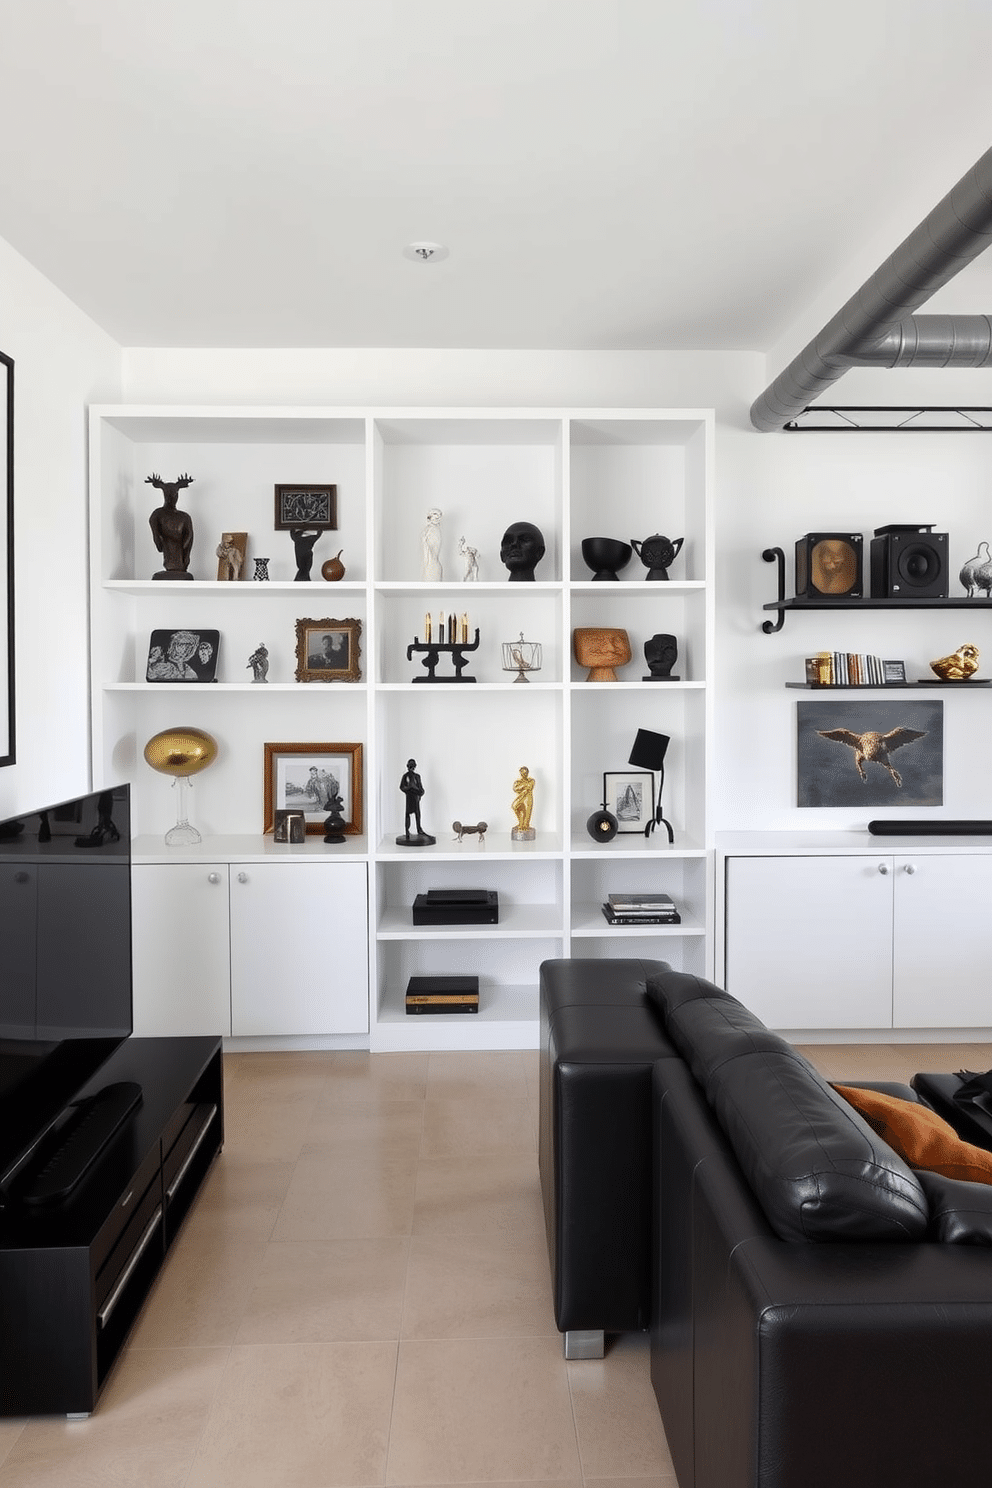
point(171, 528)
point(259, 663)
point(521, 551)
point(471, 556)
point(430, 546)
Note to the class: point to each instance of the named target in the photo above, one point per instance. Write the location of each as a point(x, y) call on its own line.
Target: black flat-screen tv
point(65, 959)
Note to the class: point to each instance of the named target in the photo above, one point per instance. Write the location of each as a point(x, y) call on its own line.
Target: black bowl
point(606, 556)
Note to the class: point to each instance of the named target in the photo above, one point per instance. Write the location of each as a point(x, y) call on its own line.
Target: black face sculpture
point(521, 550)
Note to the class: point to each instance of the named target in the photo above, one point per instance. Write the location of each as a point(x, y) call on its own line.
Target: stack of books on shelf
point(845, 669)
point(641, 909)
point(442, 994)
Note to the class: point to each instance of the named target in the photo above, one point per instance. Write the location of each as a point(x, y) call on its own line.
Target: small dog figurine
point(460, 830)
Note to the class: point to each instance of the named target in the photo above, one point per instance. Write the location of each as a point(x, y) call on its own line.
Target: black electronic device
point(931, 827)
point(909, 561)
point(829, 565)
point(456, 907)
point(65, 982)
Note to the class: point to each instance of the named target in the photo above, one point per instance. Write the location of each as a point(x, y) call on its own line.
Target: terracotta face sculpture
point(601, 650)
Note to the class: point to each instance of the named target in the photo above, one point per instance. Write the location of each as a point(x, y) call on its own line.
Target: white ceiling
point(679, 174)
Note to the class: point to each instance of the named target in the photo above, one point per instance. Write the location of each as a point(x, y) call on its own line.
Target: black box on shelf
point(909, 562)
point(442, 994)
point(456, 907)
point(829, 565)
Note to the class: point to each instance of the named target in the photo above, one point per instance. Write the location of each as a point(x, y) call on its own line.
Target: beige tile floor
point(361, 1297)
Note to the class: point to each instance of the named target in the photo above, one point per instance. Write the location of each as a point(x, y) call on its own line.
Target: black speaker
point(829, 565)
point(909, 562)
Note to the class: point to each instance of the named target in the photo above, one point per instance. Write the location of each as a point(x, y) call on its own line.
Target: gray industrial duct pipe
point(877, 328)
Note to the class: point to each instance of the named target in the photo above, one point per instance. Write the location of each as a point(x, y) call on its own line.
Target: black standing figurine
point(413, 789)
point(303, 542)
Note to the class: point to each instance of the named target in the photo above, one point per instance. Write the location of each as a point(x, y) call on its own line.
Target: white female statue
point(471, 556)
point(430, 542)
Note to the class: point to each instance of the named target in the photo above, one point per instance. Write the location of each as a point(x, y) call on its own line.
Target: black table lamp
point(648, 753)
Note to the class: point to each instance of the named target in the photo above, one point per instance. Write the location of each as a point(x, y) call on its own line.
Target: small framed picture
point(305, 779)
point(328, 650)
point(290, 826)
point(629, 794)
point(231, 551)
point(894, 671)
point(306, 506)
point(182, 656)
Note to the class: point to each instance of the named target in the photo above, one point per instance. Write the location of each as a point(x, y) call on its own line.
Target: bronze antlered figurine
point(172, 529)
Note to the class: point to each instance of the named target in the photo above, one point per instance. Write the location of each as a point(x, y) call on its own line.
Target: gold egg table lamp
point(181, 752)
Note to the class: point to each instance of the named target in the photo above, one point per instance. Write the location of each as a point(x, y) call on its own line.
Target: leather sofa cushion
point(816, 1167)
point(960, 1212)
point(919, 1135)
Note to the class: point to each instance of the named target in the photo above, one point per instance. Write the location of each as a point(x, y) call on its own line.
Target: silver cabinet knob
point(883, 867)
point(242, 878)
point(910, 867)
point(213, 878)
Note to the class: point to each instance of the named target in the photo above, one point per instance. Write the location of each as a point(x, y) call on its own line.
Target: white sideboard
point(834, 932)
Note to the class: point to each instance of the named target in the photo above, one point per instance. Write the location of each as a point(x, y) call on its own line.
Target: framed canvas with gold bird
point(870, 753)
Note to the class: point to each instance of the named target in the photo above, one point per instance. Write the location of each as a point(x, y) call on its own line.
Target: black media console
point(74, 1273)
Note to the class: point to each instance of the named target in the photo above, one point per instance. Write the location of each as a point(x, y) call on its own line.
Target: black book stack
point(641, 909)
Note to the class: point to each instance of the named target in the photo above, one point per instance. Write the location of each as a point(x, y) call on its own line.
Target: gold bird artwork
point(957, 667)
point(873, 747)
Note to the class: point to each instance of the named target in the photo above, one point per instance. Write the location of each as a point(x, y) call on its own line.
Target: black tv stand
point(75, 1270)
point(74, 1147)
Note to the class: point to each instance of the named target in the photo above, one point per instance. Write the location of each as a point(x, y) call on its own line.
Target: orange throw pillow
point(920, 1137)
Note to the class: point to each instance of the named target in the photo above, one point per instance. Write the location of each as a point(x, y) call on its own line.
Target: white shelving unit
point(575, 473)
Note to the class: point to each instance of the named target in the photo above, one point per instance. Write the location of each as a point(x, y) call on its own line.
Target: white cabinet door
point(299, 948)
point(809, 940)
point(943, 926)
point(181, 954)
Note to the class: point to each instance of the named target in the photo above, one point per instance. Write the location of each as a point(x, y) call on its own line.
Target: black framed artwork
point(182, 656)
point(7, 753)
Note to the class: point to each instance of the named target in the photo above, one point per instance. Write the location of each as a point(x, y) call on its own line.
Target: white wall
point(62, 361)
point(771, 488)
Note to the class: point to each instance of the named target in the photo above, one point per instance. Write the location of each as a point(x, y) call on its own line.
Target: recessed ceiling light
point(425, 252)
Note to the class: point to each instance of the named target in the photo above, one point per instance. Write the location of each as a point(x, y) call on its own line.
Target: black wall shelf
point(781, 605)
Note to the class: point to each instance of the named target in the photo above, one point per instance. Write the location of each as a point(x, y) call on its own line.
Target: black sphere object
point(602, 826)
point(606, 556)
point(521, 551)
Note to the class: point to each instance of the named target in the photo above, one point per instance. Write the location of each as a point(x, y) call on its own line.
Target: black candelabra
point(433, 650)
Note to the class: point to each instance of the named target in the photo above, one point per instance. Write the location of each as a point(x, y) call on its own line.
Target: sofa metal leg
point(585, 1343)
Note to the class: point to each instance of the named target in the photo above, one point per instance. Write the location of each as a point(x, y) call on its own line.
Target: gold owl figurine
point(958, 667)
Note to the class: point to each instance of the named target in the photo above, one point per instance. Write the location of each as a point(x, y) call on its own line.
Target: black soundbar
point(930, 828)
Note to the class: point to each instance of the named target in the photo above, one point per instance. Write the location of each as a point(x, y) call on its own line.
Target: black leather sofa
point(811, 1323)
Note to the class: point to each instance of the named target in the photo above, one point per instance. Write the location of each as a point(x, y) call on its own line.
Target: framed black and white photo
point(629, 795)
point(7, 755)
point(328, 650)
point(290, 826)
point(870, 753)
point(306, 778)
point(182, 656)
point(306, 506)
